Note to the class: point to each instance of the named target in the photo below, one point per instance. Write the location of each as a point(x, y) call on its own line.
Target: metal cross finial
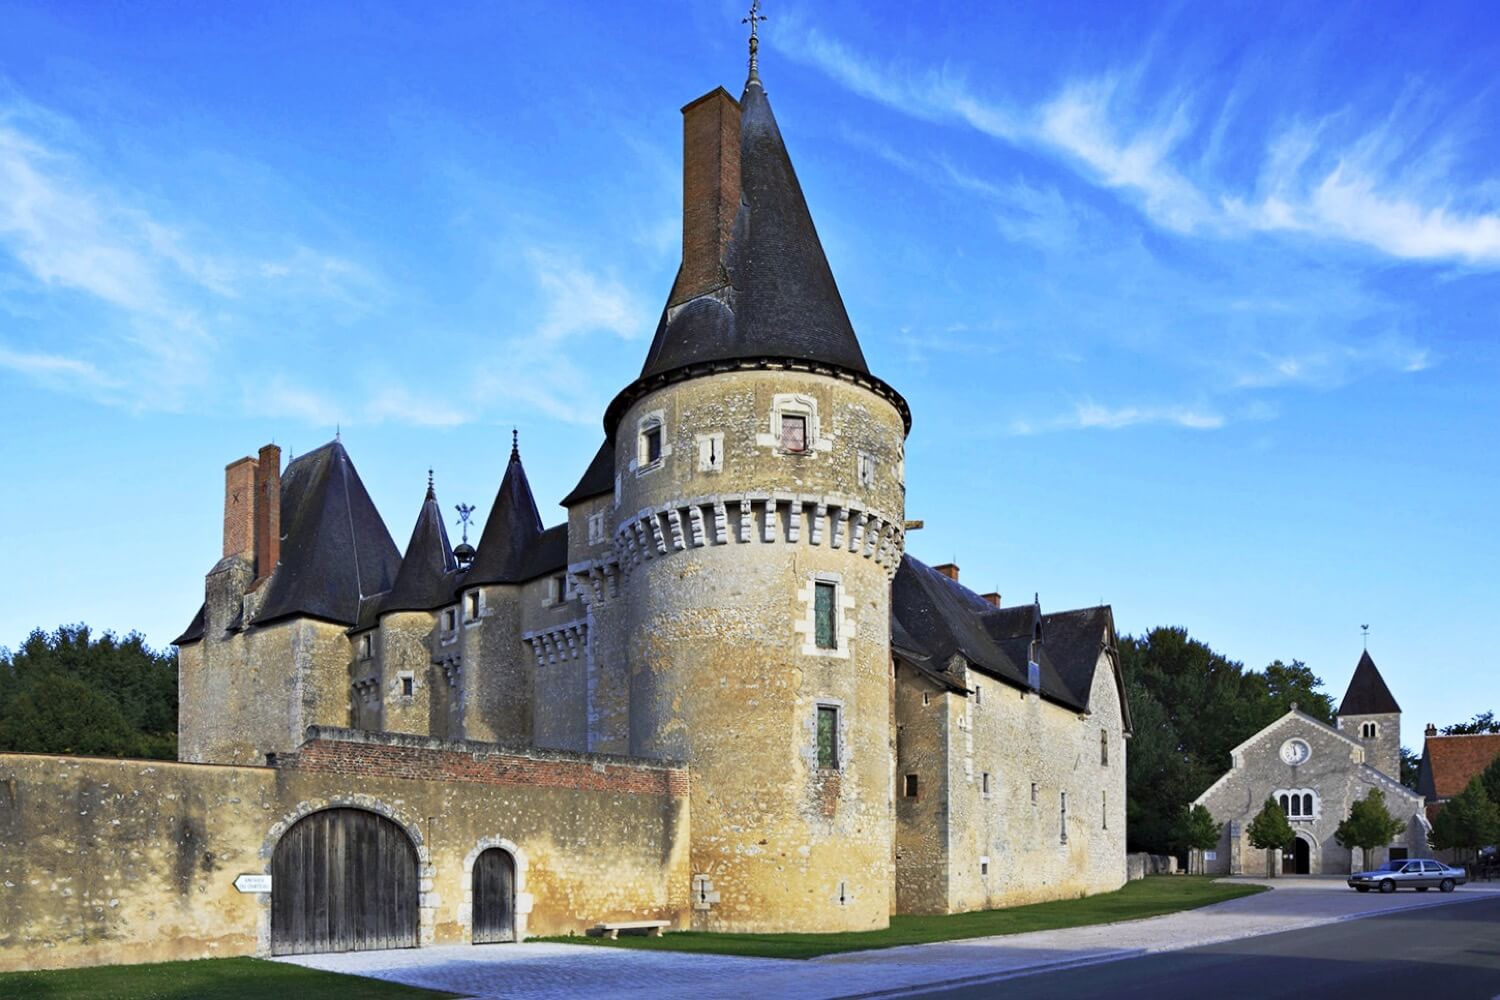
point(1366, 630)
point(752, 19)
point(465, 511)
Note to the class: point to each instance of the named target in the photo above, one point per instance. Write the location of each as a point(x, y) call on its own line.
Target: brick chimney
point(267, 512)
point(710, 192)
point(950, 570)
point(992, 597)
point(1431, 730)
point(239, 508)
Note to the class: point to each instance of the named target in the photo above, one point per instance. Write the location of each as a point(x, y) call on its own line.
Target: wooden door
point(343, 880)
point(494, 897)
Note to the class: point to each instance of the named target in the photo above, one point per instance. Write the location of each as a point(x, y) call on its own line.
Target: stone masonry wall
point(113, 861)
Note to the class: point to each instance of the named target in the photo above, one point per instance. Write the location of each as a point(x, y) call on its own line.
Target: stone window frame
point(795, 404)
point(1372, 726)
point(652, 420)
point(840, 734)
point(474, 601)
point(711, 452)
point(807, 624)
point(524, 901)
point(1301, 815)
point(402, 678)
point(865, 467)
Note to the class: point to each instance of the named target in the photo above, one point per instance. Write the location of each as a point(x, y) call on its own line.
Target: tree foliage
point(1369, 824)
point(1489, 779)
point(1190, 706)
point(69, 691)
point(1469, 820)
point(1197, 830)
point(1483, 722)
point(1411, 768)
point(1270, 831)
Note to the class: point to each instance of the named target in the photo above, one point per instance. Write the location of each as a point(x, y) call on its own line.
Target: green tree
point(1270, 831)
point(41, 708)
point(1484, 722)
point(1411, 768)
point(1369, 825)
point(1490, 779)
point(1467, 821)
point(1197, 832)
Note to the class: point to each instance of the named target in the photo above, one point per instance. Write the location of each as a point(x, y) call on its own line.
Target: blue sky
point(1195, 306)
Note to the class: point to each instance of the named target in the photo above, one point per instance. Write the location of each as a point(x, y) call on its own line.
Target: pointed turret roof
point(510, 532)
point(598, 478)
point(1367, 694)
point(782, 304)
point(335, 549)
point(426, 579)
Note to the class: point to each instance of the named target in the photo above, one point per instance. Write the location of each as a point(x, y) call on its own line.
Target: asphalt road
point(1449, 952)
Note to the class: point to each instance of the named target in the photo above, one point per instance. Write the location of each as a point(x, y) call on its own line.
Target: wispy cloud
point(1312, 184)
point(578, 300)
point(54, 369)
point(1089, 415)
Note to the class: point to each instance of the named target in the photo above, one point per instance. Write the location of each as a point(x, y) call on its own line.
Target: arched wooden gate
point(494, 896)
point(343, 880)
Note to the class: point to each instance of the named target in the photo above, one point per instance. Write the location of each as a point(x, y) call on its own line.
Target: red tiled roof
point(1458, 760)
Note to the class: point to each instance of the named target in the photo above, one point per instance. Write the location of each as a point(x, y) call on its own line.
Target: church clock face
point(1295, 752)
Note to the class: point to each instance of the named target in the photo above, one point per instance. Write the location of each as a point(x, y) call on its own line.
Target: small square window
point(651, 444)
point(984, 866)
point(472, 603)
point(793, 432)
point(828, 737)
point(408, 687)
point(909, 786)
point(825, 616)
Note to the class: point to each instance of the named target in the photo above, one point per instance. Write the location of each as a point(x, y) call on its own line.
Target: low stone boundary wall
point(1140, 865)
point(110, 861)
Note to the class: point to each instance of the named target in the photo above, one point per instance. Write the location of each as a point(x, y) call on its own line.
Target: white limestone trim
point(749, 519)
point(656, 419)
point(558, 643)
point(428, 900)
point(806, 625)
point(795, 404)
point(711, 452)
point(523, 899)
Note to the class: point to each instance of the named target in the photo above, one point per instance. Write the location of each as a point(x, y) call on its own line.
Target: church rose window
point(828, 737)
point(826, 633)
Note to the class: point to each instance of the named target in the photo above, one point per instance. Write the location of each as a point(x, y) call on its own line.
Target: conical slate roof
point(510, 532)
point(598, 478)
point(335, 549)
point(782, 305)
point(1367, 694)
point(426, 579)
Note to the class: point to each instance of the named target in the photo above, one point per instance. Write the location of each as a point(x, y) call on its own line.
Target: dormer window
point(793, 432)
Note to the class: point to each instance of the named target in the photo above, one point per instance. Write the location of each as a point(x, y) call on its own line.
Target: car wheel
point(1361, 888)
point(1386, 885)
point(1447, 885)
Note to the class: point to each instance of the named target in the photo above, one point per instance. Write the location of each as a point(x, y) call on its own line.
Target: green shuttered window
point(825, 601)
point(828, 736)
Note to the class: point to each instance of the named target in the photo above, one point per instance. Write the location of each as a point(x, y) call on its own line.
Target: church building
point(717, 694)
point(1316, 773)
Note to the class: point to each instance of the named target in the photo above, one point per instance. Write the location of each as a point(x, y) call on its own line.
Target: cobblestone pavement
point(546, 971)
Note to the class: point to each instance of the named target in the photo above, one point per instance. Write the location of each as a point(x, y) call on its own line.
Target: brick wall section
point(710, 192)
point(267, 511)
point(239, 508)
point(386, 755)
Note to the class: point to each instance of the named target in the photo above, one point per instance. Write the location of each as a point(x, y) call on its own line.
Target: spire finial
point(752, 19)
point(515, 443)
point(338, 432)
point(465, 511)
point(1365, 630)
point(431, 494)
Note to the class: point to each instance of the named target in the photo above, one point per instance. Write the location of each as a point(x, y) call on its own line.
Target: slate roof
point(782, 304)
point(597, 479)
point(937, 617)
point(1449, 763)
point(335, 549)
point(194, 631)
point(428, 570)
point(512, 529)
point(1367, 694)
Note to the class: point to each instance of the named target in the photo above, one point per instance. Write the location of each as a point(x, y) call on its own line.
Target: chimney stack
point(992, 597)
point(267, 512)
point(950, 570)
point(1431, 730)
point(239, 508)
point(710, 192)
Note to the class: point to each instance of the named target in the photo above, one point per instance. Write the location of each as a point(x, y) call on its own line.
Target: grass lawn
point(1148, 897)
point(208, 979)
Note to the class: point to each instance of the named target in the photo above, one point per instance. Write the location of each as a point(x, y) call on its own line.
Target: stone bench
point(612, 929)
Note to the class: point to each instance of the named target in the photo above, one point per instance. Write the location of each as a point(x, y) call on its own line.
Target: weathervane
point(752, 19)
point(465, 511)
point(1365, 629)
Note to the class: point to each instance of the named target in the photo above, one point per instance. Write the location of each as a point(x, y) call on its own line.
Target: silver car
point(1420, 874)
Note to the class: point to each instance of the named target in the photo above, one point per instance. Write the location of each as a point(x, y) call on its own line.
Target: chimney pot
point(1431, 730)
point(950, 570)
point(267, 512)
point(993, 598)
point(710, 192)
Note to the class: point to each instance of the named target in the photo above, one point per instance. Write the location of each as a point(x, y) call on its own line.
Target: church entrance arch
point(494, 896)
point(1297, 858)
point(343, 880)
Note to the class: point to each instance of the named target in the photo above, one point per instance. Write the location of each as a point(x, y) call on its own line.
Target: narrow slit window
point(978, 695)
point(1104, 748)
point(793, 432)
point(473, 601)
point(825, 602)
point(984, 783)
point(559, 588)
point(1104, 808)
point(910, 786)
point(450, 619)
point(828, 737)
point(1063, 816)
point(1033, 793)
point(984, 866)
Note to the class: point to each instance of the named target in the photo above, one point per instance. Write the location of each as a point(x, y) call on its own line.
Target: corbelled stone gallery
point(720, 695)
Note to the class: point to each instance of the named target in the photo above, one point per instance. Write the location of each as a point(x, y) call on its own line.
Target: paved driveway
point(546, 971)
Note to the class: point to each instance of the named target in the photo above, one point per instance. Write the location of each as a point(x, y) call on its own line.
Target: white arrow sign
point(253, 883)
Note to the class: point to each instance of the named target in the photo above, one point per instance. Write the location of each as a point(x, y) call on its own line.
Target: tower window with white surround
point(825, 615)
point(793, 432)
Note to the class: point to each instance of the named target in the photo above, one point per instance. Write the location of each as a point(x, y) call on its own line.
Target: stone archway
point(521, 899)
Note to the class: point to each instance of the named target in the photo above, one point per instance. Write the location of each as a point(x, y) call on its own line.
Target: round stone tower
point(759, 522)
